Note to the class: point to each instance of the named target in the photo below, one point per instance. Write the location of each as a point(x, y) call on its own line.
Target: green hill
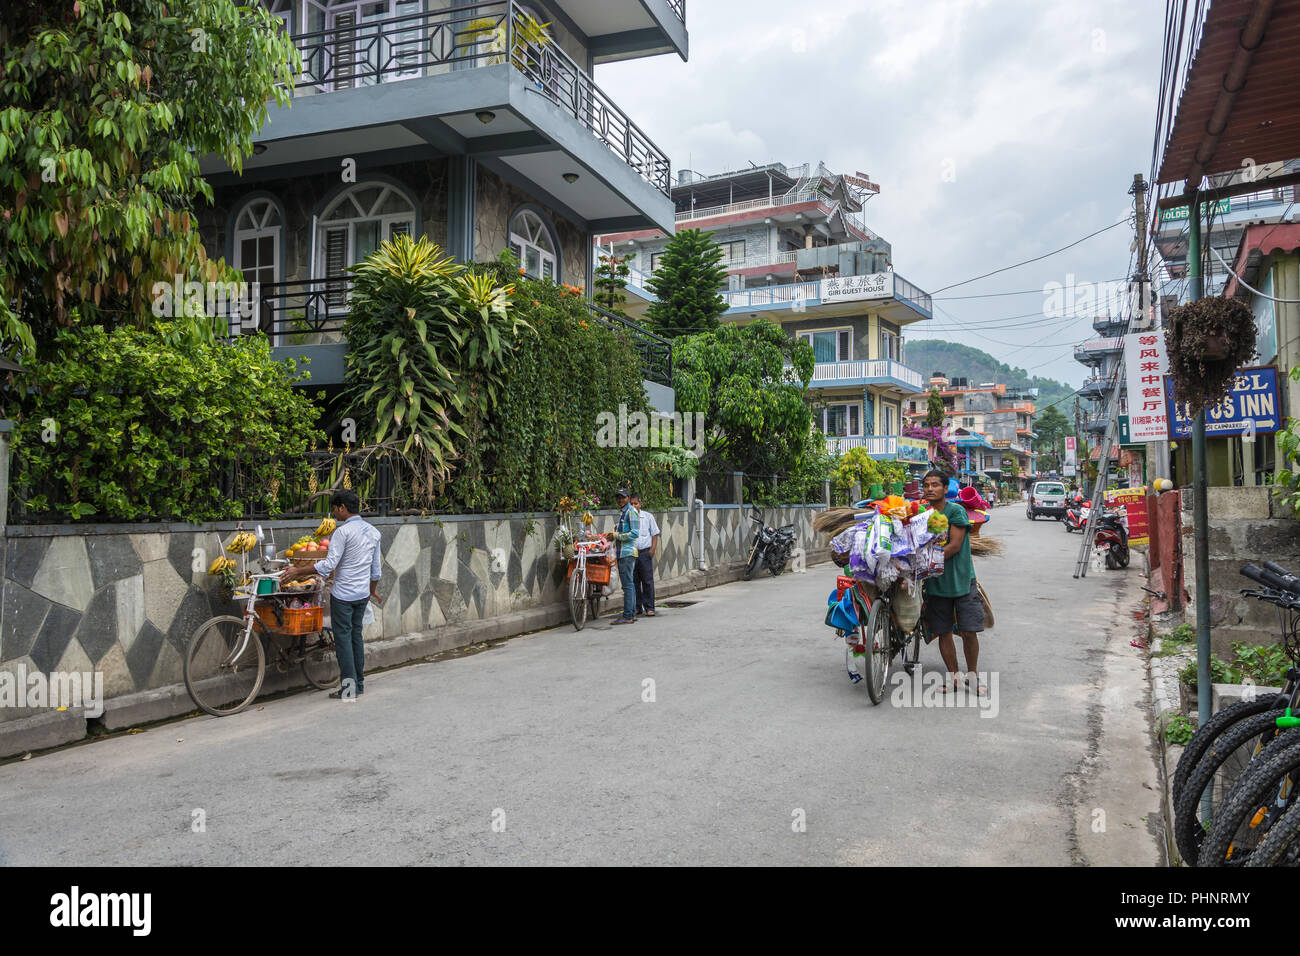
point(955, 360)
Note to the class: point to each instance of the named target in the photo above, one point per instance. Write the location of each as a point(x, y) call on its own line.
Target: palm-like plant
point(428, 341)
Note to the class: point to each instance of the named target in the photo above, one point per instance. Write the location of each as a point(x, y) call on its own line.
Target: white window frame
point(521, 243)
point(826, 412)
point(806, 335)
point(387, 221)
point(654, 261)
point(264, 221)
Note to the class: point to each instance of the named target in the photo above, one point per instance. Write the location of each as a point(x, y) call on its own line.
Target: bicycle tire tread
point(1205, 737)
point(1245, 797)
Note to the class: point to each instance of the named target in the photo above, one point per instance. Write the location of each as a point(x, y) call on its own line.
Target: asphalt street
point(722, 732)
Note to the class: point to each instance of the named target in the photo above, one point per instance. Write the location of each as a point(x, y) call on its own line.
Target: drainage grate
point(677, 603)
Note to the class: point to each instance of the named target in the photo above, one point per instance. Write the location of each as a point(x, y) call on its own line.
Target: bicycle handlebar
point(1270, 579)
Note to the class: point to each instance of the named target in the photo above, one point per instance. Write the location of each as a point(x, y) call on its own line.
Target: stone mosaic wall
point(495, 202)
point(125, 600)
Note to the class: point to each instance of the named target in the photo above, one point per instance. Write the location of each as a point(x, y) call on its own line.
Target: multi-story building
point(477, 125)
point(798, 253)
point(990, 422)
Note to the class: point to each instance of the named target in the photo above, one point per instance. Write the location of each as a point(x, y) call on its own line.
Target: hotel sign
point(877, 285)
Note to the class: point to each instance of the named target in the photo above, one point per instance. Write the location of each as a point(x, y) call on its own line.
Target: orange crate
point(598, 572)
point(297, 620)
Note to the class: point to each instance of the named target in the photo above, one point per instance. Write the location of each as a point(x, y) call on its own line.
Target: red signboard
point(1134, 503)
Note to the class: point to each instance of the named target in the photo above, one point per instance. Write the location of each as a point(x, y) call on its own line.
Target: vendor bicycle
point(588, 576)
point(882, 639)
point(225, 662)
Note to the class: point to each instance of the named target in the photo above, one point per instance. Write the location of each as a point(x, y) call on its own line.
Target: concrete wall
point(124, 600)
point(1246, 524)
point(496, 201)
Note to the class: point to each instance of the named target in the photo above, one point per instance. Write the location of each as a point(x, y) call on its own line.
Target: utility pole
point(1144, 318)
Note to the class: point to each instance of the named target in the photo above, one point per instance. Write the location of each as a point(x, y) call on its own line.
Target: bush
point(133, 424)
point(856, 465)
point(1207, 340)
point(539, 441)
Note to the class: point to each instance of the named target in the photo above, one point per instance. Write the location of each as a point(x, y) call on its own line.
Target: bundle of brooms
point(834, 520)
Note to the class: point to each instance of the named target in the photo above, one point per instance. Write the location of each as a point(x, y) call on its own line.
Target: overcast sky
point(997, 129)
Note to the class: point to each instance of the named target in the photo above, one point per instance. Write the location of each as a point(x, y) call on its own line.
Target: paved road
point(544, 750)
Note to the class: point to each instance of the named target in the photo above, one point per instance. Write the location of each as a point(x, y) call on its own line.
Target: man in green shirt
point(952, 596)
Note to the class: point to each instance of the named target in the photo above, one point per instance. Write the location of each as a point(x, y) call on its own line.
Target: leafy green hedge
point(132, 424)
point(539, 441)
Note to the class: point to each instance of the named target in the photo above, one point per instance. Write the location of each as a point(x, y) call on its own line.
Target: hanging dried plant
point(1207, 341)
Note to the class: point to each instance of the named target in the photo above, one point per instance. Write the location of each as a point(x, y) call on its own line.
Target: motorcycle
point(1076, 514)
point(771, 546)
point(1112, 538)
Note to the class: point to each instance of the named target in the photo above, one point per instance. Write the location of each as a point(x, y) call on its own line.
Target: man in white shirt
point(354, 557)
point(644, 575)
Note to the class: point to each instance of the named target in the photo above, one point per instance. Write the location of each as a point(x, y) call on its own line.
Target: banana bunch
point(220, 565)
point(242, 543)
point(324, 529)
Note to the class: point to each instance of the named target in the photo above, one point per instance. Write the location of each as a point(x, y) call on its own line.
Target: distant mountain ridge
point(955, 360)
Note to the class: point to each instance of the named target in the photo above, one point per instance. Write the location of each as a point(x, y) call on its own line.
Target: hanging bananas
point(242, 542)
point(221, 565)
point(324, 529)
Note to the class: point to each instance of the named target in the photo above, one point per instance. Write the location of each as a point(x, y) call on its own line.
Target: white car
point(1046, 498)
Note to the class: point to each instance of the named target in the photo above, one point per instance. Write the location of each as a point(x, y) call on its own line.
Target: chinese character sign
point(1145, 366)
point(1070, 466)
point(1134, 503)
point(877, 285)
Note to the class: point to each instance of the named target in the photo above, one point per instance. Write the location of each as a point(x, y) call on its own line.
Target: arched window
point(354, 224)
point(532, 241)
point(257, 231)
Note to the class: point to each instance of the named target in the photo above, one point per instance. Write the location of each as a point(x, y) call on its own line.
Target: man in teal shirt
point(629, 528)
point(953, 596)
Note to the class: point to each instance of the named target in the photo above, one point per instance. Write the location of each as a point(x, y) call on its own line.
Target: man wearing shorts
point(952, 596)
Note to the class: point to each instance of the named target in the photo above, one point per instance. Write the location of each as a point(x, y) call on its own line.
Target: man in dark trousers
point(646, 545)
point(354, 557)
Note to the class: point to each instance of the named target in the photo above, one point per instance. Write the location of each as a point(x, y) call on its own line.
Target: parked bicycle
point(225, 662)
point(590, 570)
point(1232, 783)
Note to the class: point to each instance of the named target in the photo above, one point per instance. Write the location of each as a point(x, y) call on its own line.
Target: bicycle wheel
point(320, 662)
point(224, 669)
point(1224, 762)
point(1265, 791)
point(876, 637)
point(595, 599)
point(1282, 845)
point(578, 597)
point(1219, 724)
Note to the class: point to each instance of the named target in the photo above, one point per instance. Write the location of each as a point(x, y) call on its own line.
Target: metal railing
point(866, 369)
point(656, 353)
point(785, 199)
point(466, 37)
point(910, 293)
point(773, 295)
point(678, 7)
point(874, 444)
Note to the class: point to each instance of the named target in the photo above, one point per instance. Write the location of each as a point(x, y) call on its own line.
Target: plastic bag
point(906, 601)
point(369, 617)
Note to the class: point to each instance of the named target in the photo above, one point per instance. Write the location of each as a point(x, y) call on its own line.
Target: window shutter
point(345, 51)
point(548, 268)
point(844, 346)
point(336, 256)
point(399, 228)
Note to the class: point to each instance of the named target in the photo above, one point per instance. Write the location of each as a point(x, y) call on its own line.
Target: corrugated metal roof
point(1264, 122)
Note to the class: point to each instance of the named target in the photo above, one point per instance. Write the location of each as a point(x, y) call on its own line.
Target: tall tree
point(106, 108)
point(1051, 427)
point(934, 409)
point(610, 281)
point(686, 285)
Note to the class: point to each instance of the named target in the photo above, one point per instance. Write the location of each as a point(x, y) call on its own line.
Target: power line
point(1026, 262)
point(992, 295)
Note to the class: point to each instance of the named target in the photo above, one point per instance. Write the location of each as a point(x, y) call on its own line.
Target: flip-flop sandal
point(1138, 642)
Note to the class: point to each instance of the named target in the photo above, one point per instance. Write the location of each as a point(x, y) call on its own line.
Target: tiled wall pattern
point(125, 603)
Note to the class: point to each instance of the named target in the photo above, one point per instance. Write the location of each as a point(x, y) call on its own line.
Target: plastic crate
point(297, 620)
point(598, 572)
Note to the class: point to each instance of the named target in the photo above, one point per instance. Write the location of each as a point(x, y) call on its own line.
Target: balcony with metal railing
point(306, 319)
point(867, 372)
point(469, 37)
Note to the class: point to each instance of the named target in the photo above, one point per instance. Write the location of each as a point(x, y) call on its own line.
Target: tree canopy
point(756, 413)
point(686, 286)
point(106, 109)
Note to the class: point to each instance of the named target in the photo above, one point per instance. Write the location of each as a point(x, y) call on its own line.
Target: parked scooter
point(1076, 513)
point(1112, 538)
point(771, 547)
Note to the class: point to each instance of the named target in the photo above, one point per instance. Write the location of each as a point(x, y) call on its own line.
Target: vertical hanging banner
point(1070, 467)
point(1145, 365)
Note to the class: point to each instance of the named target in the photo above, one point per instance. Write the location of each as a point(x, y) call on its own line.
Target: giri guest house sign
point(877, 285)
point(1250, 407)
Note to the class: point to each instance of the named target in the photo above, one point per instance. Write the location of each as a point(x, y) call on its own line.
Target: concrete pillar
point(826, 492)
point(737, 487)
point(462, 217)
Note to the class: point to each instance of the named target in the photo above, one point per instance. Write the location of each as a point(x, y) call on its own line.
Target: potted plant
point(529, 36)
point(1207, 341)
